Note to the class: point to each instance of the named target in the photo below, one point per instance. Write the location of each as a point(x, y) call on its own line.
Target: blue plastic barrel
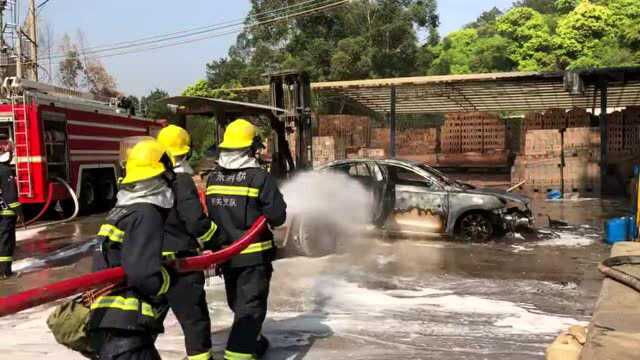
point(632, 230)
point(554, 195)
point(617, 229)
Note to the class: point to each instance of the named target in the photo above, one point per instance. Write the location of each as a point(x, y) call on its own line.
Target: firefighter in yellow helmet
point(238, 192)
point(123, 323)
point(187, 231)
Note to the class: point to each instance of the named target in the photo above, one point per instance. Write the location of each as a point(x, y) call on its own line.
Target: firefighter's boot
point(262, 347)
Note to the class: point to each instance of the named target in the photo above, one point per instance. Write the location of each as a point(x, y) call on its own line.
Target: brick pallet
point(472, 132)
point(327, 149)
point(408, 142)
point(354, 130)
point(557, 119)
point(539, 164)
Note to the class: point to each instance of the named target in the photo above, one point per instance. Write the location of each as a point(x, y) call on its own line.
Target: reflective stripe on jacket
point(235, 199)
point(132, 238)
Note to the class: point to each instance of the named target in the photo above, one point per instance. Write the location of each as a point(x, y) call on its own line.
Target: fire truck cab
point(64, 136)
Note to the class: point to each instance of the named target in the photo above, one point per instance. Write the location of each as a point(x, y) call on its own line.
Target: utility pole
point(33, 39)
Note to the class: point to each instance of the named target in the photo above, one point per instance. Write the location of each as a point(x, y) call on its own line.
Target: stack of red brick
point(414, 144)
point(473, 132)
point(557, 119)
point(355, 131)
point(624, 133)
point(540, 158)
point(327, 149)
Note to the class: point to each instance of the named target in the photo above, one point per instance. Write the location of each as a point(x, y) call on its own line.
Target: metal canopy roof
point(514, 91)
point(195, 105)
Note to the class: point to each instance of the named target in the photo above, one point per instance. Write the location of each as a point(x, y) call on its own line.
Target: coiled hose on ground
point(607, 268)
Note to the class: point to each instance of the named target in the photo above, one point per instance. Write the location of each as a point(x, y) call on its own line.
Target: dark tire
point(474, 227)
point(107, 190)
point(68, 207)
point(314, 239)
point(88, 195)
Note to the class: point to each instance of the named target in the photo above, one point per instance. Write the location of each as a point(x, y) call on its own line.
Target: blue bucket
point(554, 195)
point(632, 228)
point(617, 229)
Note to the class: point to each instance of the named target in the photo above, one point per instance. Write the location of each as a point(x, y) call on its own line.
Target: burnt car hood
point(506, 196)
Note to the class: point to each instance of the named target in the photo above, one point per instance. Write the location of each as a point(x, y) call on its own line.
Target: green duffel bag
point(68, 323)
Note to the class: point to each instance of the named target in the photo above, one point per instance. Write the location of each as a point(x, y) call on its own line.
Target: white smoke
point(331, 196)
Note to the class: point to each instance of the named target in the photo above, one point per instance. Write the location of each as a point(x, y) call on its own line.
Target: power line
point(195, 31)
point(242, 28)
point(150, 46)
point(42, 4)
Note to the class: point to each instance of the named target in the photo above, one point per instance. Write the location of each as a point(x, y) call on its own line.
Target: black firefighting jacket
point(186, 223)
point(132, 238)
point(9, 196)
point(235, 199)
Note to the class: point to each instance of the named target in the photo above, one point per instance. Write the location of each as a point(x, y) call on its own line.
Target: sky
point(172, 69)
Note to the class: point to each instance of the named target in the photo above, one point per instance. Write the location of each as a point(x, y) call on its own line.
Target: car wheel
point(316, 238)
point(475, 227)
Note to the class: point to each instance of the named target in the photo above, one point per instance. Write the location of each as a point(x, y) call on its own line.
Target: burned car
point(411, 198)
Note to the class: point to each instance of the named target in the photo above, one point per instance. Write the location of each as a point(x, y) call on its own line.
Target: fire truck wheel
point(88, 196)
point(107, 192)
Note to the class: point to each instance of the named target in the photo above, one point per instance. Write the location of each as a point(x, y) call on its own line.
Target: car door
point(420, 202)
point(383, 194)
point(367, 176)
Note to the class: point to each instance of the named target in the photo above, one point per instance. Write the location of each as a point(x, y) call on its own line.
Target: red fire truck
point(63, 136)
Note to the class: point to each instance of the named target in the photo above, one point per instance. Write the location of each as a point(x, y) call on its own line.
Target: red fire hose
point(60, 290)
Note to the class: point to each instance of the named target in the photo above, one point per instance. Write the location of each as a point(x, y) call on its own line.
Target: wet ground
point(402, 299)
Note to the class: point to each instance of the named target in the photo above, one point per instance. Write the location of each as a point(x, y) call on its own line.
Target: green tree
point(70, 67)
point(626, 17)
point(540, 6)
point(582, 34)
point(152, 107)
point(531, 40)
point(202, 88)
point(365, 38)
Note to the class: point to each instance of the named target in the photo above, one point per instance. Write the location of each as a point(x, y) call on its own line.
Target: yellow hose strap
point(230, 355)
point(111, 232)
point(15, 205)
point(166, 281)
point(203, 356)
point(258, 247)
point(209, 234)
point(7, 212)
point(124, 304)
point(233, 190)
point(6, 258)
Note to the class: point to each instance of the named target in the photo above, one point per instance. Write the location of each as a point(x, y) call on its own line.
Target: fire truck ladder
point(20, 110)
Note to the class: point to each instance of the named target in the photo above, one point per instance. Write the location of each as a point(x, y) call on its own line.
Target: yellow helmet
point(175, 139)
point(238, 135)
point(144, 162)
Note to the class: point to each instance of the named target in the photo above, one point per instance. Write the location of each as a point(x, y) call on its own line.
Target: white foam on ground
point(343, 297)
point(570, 240)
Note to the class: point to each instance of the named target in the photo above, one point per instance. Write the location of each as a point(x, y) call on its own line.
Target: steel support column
point(392, 123)
point(604, 135)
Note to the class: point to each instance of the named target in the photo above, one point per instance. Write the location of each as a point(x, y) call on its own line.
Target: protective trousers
point(7, 243)
point(247, 292)
point(187, 300)
point(123, 345)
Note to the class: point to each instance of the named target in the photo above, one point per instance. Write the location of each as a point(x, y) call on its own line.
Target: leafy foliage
point(80, 72)
point(151, 106)
point(385, 38)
